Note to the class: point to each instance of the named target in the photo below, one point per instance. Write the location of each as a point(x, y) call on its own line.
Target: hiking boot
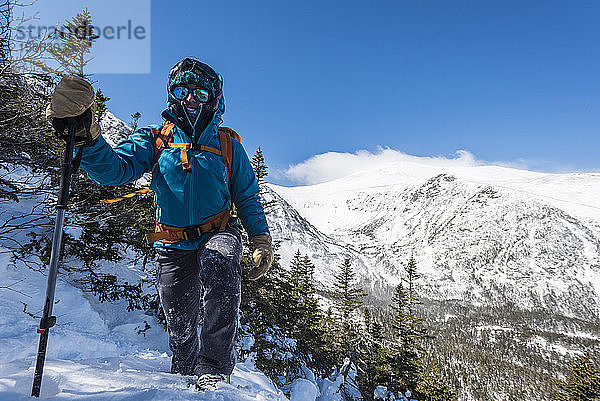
point(208, 382)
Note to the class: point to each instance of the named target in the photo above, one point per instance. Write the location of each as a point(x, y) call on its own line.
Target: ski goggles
point(181, 92)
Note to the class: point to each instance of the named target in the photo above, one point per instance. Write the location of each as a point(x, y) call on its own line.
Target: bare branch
point(9, 287)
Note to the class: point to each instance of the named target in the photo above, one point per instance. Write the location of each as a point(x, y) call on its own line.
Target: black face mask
point(194, 126)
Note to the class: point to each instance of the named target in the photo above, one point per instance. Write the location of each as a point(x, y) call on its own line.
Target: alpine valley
point(508, 258)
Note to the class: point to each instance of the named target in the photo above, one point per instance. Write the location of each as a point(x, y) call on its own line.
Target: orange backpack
point(163, 141)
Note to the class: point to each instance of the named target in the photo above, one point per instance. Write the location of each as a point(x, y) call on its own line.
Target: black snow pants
point(181, 275)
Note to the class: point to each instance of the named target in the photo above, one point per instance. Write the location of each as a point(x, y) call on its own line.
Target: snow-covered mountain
point(480, 234)
point(113, 129)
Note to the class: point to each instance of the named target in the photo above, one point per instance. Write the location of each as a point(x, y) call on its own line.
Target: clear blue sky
point(505, 80)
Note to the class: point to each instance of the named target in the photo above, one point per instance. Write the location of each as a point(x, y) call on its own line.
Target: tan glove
point(262, 255)
point(74, 97)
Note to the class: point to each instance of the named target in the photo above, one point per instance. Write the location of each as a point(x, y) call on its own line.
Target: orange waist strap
point(170, 234)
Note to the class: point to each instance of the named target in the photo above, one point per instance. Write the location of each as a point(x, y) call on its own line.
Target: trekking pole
point(48, 320)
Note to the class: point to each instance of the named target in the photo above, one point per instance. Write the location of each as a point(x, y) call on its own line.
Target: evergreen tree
point(259, 166)
point(308, 319)
point(296, 273)
point(412, 277)
point(267, 306)
point(261, 171)
point(432, 387)
point(73, 48)
point(266, 312)
point(134, 121)
point(371, 356)
point(100, 104)
point(407, 348)
point(27, 141)
point(347, 299)
point(103, 232)
point(308, 270)
point(582, 383)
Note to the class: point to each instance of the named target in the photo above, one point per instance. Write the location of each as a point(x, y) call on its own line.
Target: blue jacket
point(183, 198)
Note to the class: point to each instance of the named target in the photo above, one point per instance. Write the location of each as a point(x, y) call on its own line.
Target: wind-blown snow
point(331, 166)
point(577, 193)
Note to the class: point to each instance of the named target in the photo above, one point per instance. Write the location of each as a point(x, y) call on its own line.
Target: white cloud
point(333, 165)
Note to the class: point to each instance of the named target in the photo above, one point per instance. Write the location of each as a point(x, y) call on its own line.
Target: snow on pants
point(181, 275)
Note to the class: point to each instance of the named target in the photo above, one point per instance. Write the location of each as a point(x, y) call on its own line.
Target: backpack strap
point(231, 133)
point(185, 163)
point(170, 234)
point(163, 137)
point(226, 151)
point(225, 134)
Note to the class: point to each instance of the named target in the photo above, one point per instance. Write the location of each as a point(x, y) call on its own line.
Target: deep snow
point(94, 351)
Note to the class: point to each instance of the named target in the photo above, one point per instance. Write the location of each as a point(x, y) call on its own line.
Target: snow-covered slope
point(480, 234)
point(95, 351)
point(297, 234)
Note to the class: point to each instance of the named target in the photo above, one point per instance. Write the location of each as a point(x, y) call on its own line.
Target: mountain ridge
point(518, 248)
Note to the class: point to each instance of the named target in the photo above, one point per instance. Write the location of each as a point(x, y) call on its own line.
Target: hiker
point(201, 176)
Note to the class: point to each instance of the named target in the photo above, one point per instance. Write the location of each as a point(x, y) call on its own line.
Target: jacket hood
point(191, 70)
